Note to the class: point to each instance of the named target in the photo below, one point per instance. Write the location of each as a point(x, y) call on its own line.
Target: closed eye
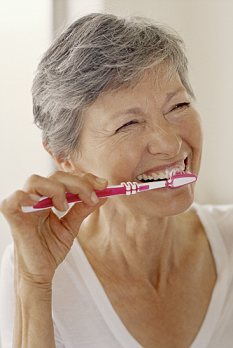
point(130, 123)
point(178, 106)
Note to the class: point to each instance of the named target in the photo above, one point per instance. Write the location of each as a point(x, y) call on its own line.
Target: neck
point(145, 247)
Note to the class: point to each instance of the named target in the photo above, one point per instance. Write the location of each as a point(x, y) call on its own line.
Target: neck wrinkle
point(143, 248)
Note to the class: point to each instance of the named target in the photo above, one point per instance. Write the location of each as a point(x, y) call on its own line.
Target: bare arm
point(41, 242)
point(33, 327)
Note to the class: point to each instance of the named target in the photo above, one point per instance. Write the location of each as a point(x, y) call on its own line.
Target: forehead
point(152, 88)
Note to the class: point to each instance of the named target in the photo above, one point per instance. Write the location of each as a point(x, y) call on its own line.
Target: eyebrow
point(171, 94)
point(135, 111)
point(138, 111)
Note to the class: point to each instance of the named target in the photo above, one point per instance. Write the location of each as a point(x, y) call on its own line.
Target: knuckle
point(3, 205)
point(14, 198)
point(57, 175)
point(89, 176)
point(60, 189)
point(87, 187)
point(88, 181)
point(86, 177)
point(18, 195)
point(32, 180)
point(34, 177)
point(57, 187)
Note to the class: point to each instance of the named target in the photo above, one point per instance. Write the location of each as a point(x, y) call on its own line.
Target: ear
point(67, 165)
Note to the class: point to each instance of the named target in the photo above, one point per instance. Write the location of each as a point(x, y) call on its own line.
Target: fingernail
point(34, 197)
point(94, 198)
point(101, 180)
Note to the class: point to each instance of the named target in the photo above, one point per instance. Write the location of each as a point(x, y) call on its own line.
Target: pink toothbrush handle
point(128, 188)
point(74, 198)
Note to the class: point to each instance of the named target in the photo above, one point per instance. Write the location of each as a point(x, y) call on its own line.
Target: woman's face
point(139, 132)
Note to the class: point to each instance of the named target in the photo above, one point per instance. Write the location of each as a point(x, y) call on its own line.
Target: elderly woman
point(151, 270)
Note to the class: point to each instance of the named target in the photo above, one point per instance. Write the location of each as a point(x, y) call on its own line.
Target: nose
point(164, 141)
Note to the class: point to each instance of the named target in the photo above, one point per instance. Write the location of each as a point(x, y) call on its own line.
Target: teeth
point(166, 174)
point(188, 166)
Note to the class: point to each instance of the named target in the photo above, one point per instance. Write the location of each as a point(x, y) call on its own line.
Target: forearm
point(33, 327)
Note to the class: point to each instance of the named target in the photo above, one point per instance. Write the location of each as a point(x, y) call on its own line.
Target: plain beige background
point(27, 27)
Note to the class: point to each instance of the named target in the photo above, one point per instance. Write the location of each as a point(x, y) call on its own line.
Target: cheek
point(191, 131)
point(115, 160)
point(122, 161)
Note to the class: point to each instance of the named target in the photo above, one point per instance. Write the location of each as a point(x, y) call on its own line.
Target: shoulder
point(221, 215)
point(7, 296)
point(218, 222)
point(7, 278)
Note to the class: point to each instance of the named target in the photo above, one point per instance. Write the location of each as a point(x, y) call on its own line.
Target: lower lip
point(169, 188)
point(165, 189)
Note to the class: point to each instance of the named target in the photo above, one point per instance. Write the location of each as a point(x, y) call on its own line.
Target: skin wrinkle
point(167, 136)
point(106, 132)
point(149, 250)
point(108, 145)
point(65, 81)
point(96, 131)
point(138, 245)
point(137, 110)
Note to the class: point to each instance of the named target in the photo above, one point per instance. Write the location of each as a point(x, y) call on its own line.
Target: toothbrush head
point(180, 179)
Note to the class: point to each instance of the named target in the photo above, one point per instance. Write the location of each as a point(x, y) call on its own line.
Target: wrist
point(27, 289)
point(33, 316)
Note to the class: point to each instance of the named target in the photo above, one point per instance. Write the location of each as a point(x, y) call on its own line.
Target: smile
point(181, 167)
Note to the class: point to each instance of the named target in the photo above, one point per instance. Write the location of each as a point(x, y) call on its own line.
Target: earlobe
point(68, 166)
point(61, 164)
point(65, 164)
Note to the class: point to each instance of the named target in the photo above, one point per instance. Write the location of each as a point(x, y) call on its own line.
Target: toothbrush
point(128, 188)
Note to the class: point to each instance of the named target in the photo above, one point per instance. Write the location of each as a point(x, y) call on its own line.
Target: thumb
point(77, 214)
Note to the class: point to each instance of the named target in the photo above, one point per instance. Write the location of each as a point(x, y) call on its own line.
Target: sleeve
point(225, 224)
point(7, 302)
point(7, 298)
point(223, 217)
point(58, 341)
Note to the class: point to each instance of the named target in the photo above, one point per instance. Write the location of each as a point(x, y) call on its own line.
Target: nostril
point(165, 144)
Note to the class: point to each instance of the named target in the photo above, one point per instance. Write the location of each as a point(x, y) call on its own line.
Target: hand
point(41, 239)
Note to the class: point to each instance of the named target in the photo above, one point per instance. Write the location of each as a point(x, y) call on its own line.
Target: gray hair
point(97, 53)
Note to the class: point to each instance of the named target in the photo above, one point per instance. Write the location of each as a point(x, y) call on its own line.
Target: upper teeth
point(165, 174)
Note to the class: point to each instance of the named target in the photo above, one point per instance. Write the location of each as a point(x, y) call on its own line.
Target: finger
point(13, 203)
point(97, 182)
point(83, 185)
point(75, 216)
point(60, 182)
point(53, 189)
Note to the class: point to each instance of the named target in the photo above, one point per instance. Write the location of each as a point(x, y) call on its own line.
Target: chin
point(168, 202)
point(179, 206)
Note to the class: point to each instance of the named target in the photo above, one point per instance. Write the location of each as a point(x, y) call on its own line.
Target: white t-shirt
point(84, 317)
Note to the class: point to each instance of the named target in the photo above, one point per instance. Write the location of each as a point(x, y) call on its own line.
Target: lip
point(166, 166)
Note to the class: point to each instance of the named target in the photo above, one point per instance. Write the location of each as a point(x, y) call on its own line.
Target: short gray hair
point(97, 53)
